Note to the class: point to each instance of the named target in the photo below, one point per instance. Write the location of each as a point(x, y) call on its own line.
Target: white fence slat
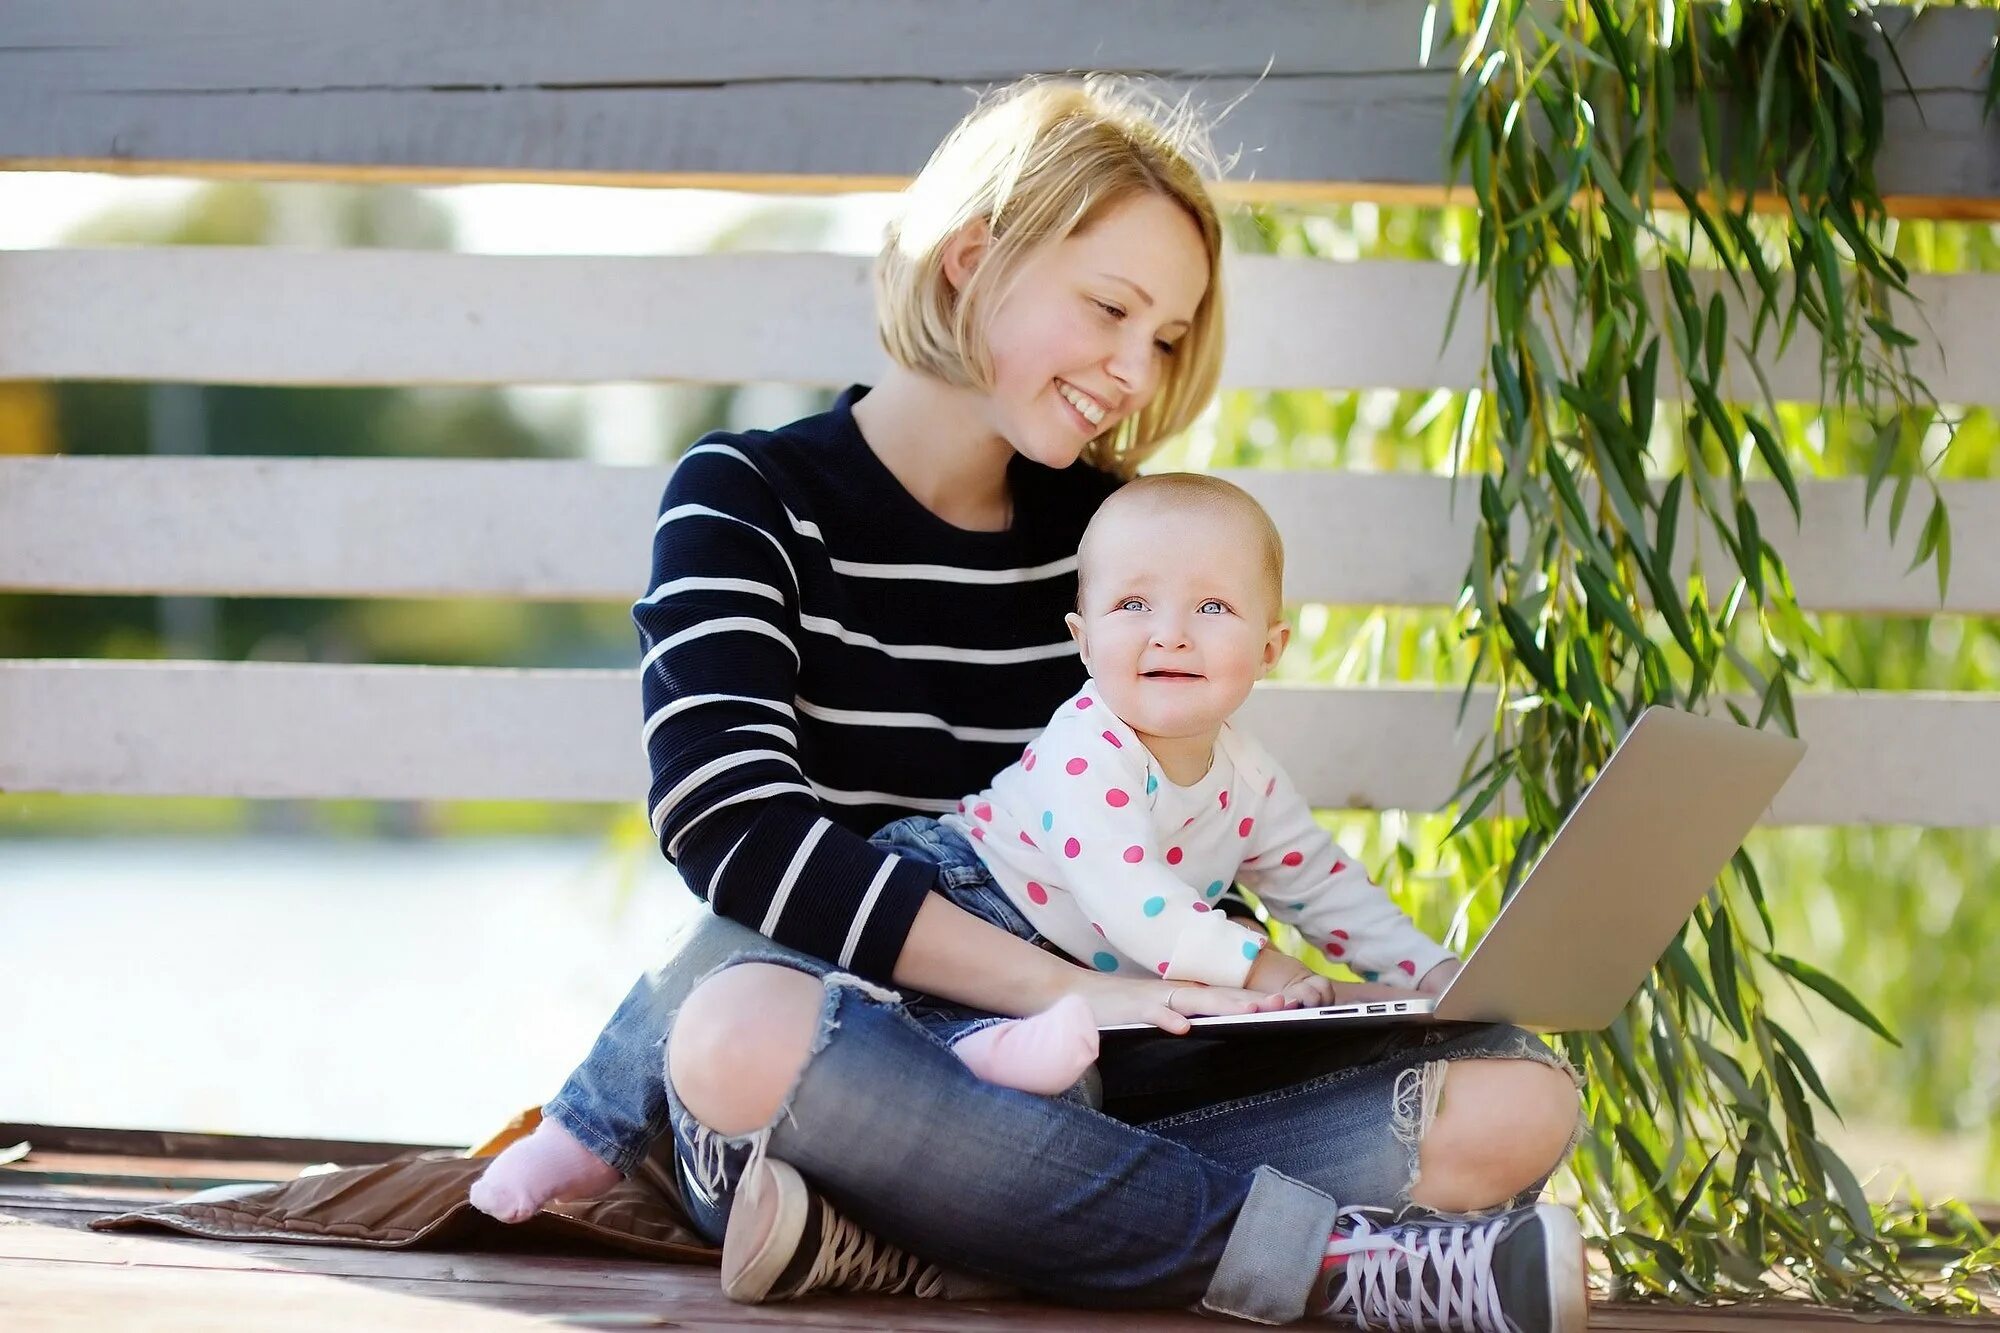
point(289, 730)
point(223, 315)
point(553, 531)
point(680, 90)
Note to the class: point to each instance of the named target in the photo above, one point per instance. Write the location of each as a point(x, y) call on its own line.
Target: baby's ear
point(1075, 624)
point(1274, 644)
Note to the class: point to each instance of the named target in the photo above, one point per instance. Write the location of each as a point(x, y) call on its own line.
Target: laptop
point(1612, 889)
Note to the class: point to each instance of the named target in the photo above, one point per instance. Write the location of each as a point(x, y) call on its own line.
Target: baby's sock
point(1044, 1054)
point(548, 1164)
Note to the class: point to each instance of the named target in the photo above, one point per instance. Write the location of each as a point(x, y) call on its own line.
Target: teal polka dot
point(1152, 784)
point(1213, 890)
point(1048, 820)
point(1298, 907)
point(1249, 948)
point(1104, 962)
point(1371, 976)
point(1154, 906)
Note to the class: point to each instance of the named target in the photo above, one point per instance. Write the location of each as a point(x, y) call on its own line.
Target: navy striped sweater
point(822, 655)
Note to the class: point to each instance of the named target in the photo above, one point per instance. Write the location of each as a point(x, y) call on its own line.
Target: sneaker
point(784, 1241)
point(1520, 1272)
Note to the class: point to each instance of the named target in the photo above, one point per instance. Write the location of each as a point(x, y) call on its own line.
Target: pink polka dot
point(1340, 934)
point(1162, 968)
point(979, 833)
point(1116, 744)
point(961, 807)
point(1037, 894)
point(1223, 797)
point(1335, 948)
point(1025, 838)
point(1028, 761)
point(1243, 829)
point(1134, 855)
point(1200, 906)
point(1295, 858)
point(1173, 856)
point(1099, 929)
point(1076, 766)
point(1115, 797)
point(1338, 866)
point(983, 811)
point(1270, 786)
point(1187, 821)
point(1084, 702)
point(1072, 849)
point(1251, 860)
point(1408, 967)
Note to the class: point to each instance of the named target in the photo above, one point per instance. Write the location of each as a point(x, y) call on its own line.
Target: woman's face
point(1086, 334)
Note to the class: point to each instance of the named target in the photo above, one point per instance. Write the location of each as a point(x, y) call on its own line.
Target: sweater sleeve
point(1302, 876)
point(1117, 872)
point(730, 803)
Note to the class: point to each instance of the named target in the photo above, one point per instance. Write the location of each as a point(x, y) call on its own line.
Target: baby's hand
point(1311, 991)
point(1435, 980)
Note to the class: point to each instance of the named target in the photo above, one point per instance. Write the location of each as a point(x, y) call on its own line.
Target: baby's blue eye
point(1215, 602)
point(1131, 602)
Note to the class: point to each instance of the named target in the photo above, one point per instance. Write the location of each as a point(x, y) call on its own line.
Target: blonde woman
point(855, 619)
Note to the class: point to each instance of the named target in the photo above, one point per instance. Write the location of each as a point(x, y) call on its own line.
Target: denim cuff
point(1274, 1251)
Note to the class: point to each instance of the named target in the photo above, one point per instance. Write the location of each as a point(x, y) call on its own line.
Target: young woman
point(858, 617)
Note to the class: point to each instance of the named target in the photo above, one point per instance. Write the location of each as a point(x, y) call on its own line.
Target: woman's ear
point(963, 250)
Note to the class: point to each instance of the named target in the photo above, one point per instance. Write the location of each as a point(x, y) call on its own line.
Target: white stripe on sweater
point(695, 583)
point(954, 573)
point(867, 908)
point(791, 877)
point(840, 796)
point(719, 764)
point(717, 625)
point(934, 652)
point(687, 701)
point(679, 512)
point(857, 717)
point(735, 798)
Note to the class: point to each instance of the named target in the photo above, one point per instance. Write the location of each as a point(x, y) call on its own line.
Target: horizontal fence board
point(555, 531)
point(290, 730)
point(231, 315)
point(673, 90)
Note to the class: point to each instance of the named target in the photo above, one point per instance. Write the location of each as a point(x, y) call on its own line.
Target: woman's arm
point(952, 954)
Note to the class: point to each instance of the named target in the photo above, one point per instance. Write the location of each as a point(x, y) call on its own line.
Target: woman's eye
point(1166, 348)
point(1114, 311)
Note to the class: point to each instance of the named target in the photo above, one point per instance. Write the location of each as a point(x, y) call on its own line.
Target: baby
point(1124, 821)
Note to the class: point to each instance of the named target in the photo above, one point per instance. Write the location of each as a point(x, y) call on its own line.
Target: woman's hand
point(1434, 981)
point(1167, 1005)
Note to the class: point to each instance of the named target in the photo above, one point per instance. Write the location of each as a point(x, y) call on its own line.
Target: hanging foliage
point(1670, 196)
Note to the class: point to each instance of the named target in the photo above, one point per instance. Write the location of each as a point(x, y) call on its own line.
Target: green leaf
point(1722, 970)
point(1773, 455)
point(1835, 993)
point(1529, 652)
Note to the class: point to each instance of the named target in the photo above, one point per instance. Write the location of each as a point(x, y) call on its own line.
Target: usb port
point(1378, 1008)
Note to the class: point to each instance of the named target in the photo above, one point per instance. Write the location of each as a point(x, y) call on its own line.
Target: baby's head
point(1058, 261)
point(1180, 585)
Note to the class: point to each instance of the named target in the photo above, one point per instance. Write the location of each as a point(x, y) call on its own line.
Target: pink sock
point(1044, 1054)
point(548, 1164)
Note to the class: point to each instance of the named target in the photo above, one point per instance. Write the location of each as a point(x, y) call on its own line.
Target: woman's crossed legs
point(1229, 1204)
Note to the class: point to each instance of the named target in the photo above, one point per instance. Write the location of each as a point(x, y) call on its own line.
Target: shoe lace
point(1431, 1278)
point(851, 1259)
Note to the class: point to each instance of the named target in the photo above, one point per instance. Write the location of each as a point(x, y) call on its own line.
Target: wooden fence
point(826, 95)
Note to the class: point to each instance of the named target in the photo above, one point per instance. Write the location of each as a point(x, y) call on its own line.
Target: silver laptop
point(1616, 884)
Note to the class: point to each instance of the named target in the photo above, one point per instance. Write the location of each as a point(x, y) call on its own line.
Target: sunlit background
point(419, 971)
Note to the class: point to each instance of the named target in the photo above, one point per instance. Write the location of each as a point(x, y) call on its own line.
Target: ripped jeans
point(1212, 1175)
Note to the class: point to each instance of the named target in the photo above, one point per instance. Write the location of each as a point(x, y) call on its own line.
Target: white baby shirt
point(1118, 867)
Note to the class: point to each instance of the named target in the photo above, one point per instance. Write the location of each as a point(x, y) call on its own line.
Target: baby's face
point(1177, 623)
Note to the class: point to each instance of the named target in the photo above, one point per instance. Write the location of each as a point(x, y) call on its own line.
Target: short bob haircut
point(1039, 161)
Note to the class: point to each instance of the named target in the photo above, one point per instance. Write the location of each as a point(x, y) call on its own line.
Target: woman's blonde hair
point(1038, 162)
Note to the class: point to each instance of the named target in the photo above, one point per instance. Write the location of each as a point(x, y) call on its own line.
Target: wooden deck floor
point(57, 1275)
